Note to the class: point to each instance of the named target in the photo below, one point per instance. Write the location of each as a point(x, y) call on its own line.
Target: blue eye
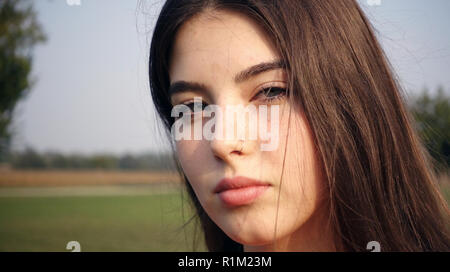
point(272, 93)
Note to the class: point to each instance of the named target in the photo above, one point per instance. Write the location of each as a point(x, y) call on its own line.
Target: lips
point(240, 190)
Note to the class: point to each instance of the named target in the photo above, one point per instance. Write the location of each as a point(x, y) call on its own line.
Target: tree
point(19, 33)
point(128, 162)
point(432, 115)
point(28, 159)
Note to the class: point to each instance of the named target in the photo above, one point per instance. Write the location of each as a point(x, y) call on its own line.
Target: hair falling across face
point(346, 161)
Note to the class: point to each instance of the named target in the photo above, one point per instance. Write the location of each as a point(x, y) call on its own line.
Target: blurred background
point(82, 155)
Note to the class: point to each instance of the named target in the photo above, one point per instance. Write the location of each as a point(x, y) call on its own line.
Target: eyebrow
point(258, 69)
point(183, 86)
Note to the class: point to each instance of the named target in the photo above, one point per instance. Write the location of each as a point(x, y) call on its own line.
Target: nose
point(226, 147)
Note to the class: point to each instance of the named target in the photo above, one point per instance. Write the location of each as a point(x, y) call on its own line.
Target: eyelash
point(264, 91)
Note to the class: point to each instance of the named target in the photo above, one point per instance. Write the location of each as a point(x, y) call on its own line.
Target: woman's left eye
point(271, 93)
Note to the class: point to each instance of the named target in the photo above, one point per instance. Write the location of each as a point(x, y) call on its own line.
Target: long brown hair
point(381, 182)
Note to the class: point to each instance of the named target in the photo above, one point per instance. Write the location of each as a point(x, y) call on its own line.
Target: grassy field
point(106, 211)
point(98, 223)
point(102, 210)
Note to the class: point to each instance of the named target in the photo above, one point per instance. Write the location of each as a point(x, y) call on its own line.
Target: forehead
point(217, 45)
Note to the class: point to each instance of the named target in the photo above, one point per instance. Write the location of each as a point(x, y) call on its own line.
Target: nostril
point(223, 149)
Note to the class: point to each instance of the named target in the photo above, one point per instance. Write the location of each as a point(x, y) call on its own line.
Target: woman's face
point(211, 50)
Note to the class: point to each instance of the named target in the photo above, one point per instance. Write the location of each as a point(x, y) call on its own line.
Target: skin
point(291, 215)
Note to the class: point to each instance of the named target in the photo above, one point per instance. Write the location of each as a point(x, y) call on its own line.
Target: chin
point(250, 237)
point(252, 241)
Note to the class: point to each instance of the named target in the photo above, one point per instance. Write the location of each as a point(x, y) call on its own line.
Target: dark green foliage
point(19, 32)
point(31, 159)
point(432, 115)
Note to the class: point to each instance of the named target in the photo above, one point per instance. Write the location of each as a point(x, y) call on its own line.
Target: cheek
point(196, 164)
point(302, 186)
point(194, 159)
point(186, 150)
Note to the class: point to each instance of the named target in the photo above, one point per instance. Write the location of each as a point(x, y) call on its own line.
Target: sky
point(91, 91)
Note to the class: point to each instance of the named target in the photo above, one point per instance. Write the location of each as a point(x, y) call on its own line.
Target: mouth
point(239, 191)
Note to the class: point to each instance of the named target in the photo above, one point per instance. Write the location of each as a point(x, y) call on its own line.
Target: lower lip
point(242, 196)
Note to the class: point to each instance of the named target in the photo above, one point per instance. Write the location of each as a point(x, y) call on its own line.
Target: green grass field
point(100, 218)
point(99, 223)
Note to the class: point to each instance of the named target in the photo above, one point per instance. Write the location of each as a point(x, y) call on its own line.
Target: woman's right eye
point(192, 106)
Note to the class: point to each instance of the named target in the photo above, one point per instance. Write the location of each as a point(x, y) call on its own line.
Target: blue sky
point(91, 93)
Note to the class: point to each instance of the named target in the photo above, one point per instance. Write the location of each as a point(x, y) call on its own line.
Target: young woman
point(348, 168)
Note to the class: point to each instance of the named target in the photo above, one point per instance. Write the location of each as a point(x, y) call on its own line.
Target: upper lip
point(236, 183)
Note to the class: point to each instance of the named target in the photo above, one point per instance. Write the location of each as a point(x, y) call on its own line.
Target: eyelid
point(279, 84)
point(267, 85)
point(187, 102)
